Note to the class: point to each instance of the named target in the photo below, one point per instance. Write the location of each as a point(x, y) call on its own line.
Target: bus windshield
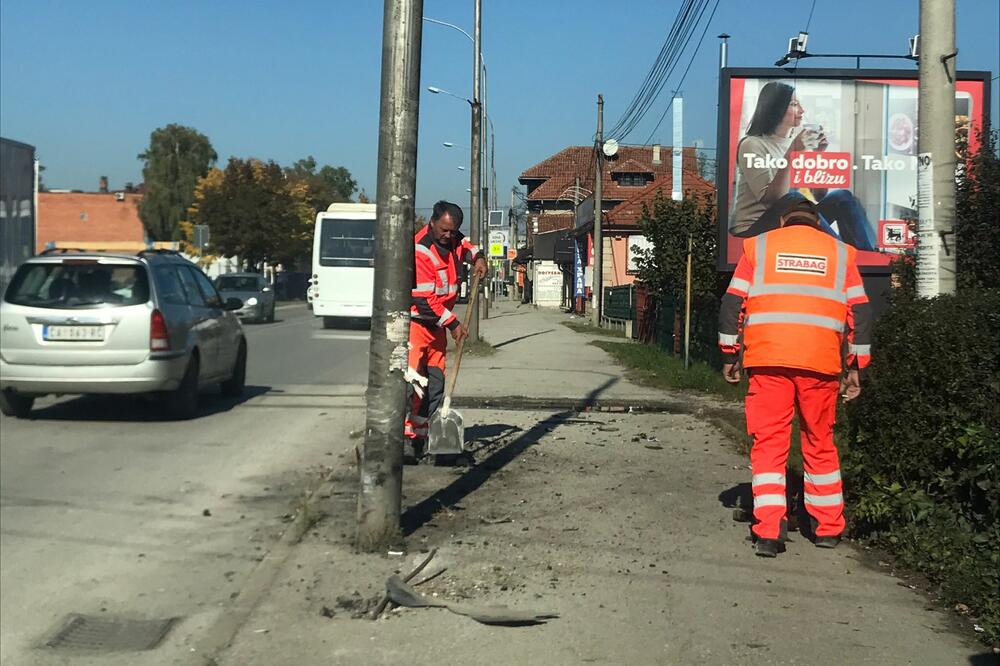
point(347, 243)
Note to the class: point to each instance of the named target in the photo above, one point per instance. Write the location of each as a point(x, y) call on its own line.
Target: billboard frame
point(726, 74)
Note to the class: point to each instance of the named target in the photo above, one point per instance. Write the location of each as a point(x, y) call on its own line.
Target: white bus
point(343, 262)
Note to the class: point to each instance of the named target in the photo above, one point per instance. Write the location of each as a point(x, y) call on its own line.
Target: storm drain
point(104, 634)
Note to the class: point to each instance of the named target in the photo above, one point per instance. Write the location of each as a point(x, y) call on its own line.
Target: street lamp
point(492, 142)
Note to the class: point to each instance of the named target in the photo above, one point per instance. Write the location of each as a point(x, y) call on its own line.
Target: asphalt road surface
point(109, 512)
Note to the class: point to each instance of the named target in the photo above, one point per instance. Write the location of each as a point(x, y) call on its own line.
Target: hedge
point(922, 469)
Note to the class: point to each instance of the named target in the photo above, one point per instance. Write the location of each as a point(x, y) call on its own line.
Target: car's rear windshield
point(237, 283)
point(79, 284)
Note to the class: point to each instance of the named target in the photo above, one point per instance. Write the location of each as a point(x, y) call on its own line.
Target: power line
point(686, 70)
point(688, 33)
point(809, 20)
point(685, 21)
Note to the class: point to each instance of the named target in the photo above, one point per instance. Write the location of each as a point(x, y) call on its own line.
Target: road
point(108, 511)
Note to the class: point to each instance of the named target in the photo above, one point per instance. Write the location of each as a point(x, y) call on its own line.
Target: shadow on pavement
point(137, 408)
point(522, 337)
point(420, 514)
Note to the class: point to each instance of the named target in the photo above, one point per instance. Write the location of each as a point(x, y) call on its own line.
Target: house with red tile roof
point(630, 179)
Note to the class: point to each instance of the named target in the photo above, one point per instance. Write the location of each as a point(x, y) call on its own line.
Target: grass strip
point(581, 327)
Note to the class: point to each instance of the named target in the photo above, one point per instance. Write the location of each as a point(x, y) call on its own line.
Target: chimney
point(656, 153)
point(103, 185)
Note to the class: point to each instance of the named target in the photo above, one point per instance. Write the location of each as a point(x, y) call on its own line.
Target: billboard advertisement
point(844, 139)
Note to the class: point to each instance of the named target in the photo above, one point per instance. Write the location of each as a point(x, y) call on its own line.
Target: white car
point(95, 323)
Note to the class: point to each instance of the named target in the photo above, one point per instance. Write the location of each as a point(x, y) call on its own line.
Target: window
point(79, 284)
point(209, 293)
point(632, 179)
point(347, 243)
point(169, 286)
point(194, 295)
point(239, 283)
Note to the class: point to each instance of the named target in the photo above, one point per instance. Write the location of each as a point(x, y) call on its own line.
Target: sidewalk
point(614, 521)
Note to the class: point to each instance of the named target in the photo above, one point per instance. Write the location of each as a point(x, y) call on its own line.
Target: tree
point(663, 267)
point(254, 212)
point(977, 200)
point(176, 158)
point(326, 186)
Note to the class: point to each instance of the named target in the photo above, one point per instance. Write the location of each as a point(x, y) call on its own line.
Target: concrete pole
point(936, 147)
point(476, 162)
point(598, 270)
point(380, 459)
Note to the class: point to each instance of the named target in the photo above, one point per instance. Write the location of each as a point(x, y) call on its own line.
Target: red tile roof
point(560, 171)
point(628, 212)
point(67, 217)
point(630, 166)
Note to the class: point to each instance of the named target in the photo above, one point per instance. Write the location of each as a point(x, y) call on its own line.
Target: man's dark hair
point(772, 103)
point(453, 211)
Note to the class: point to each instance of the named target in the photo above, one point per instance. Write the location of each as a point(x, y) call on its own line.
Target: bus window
point(347, 243)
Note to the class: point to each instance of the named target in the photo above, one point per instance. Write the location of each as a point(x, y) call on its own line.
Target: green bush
point(923, 461)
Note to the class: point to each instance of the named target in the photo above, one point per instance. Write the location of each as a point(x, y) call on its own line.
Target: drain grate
point(104, 634)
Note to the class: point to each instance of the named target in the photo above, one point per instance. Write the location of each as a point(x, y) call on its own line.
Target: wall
point(67, 217)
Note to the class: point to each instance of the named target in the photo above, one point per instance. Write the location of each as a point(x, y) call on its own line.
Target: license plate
point(74, 333)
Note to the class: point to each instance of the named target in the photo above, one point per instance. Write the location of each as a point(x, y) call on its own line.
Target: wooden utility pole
point(380, 461)
point(598, 270)
point(936, 148)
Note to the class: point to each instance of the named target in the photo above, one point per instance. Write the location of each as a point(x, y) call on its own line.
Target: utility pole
point(476, 163)
point(597, 272)
point(380, 460)
point(936, 145)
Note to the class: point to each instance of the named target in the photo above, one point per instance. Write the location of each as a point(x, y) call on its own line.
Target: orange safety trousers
point(428, 345)
point(773, 395)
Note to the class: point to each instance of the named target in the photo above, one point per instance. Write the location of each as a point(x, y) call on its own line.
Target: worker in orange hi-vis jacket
point(439, 248)
point(796, 294)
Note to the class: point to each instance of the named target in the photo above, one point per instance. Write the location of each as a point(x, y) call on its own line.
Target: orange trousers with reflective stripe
point(428, 346)
point(771, 401)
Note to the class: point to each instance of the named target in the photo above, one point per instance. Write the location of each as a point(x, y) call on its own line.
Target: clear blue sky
point(86, 82)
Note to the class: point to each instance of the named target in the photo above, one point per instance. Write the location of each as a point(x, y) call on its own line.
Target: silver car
point(255, 292)
point(91, 323)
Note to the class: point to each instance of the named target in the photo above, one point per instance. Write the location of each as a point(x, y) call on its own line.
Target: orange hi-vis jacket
point(435, 280)
point(795, 294)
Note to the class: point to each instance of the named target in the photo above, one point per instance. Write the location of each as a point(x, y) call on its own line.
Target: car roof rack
point(159, 250)
point(65, 250)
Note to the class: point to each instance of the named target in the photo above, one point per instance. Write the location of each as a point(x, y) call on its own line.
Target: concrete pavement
point(618, 522)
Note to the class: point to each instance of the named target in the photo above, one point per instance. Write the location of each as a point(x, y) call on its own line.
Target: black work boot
point(768, 547)
point(413, 451)
point(827, 541)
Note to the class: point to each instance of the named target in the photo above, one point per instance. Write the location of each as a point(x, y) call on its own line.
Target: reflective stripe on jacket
point(435, 285)
point(795, 293)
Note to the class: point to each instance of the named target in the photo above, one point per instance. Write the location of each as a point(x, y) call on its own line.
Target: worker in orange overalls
point(439, 248)
point(796, 294)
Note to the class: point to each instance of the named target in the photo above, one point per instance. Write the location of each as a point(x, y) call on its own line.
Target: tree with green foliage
point(176, 158)
point(326, 186)
point(977, 201)
point(663, 267)
point(255, 212)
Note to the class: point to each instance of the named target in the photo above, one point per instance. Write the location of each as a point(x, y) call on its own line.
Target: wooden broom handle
point(461, 343)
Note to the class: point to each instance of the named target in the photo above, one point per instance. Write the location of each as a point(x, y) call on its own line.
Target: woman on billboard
point(762, 185)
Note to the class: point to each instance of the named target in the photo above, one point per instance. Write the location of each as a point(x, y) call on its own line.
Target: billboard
point(844, 139)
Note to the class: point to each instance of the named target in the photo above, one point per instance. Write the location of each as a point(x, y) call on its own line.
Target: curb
point(221, 633)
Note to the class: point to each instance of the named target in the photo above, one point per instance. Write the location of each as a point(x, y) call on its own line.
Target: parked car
point(93, 323)
point(255, 292)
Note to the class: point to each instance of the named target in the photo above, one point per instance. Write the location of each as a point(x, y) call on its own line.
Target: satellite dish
point(610, 147)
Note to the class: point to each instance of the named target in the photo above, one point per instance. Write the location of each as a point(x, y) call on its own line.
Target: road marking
point(341, 336)
point(285, 306)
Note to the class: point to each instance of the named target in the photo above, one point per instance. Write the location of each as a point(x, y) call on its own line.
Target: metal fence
point(619, 303)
